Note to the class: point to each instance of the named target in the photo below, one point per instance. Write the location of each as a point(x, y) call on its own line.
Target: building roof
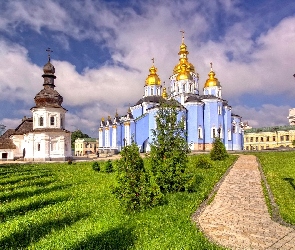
point(270, 129)
point(154, 99)
point(88, 139)
point(6, 143)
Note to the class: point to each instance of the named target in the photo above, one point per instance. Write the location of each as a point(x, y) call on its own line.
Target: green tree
point(77, 134)
point(136, 189)
point(168, 156)
point(218, 151)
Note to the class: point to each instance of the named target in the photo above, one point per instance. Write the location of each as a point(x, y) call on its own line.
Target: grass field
point(61, 206)
point(279, 169)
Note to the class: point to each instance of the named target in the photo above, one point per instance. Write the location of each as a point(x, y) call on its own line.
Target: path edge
point(275, 211)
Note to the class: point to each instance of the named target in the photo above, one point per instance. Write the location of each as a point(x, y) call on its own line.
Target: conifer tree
point(218, 151)
point(168, 156)
point(136, 189)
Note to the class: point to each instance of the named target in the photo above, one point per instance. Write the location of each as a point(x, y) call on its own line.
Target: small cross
point(48, 51)
point(153, 60)
point(211, 65)
point(182, 35)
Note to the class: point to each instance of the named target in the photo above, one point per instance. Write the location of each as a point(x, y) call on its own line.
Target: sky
point(102, 53)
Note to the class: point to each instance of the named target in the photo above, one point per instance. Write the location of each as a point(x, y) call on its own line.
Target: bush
point(168, 156)
point(218, 151)
point(202, 161)
point(193, 183)
point(96, 166)
point(108, 166)
point(136, 188)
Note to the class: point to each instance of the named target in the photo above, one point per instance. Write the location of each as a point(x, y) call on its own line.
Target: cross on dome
point(49, 51)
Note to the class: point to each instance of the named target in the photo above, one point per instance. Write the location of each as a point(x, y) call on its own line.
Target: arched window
point(52, 120)
point(41, 121)
point(39, 147)
point(152, 92)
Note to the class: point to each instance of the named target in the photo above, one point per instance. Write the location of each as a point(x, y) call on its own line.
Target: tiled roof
point(6, 143)
point(154, 99)
point(270, 129)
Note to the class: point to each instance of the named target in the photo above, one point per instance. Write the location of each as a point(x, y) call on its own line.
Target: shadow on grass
point(33, 206)
point(118, 238)
point(23, 179)
point(291, 181)
point(34, 232)
point(17, 172)
point(37, 183)
point(26, 194)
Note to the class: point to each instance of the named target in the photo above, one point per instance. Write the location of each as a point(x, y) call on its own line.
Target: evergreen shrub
point(108, 166)
point(136, 188)
point(218, 151)
point(96, 166)
point(202, 161)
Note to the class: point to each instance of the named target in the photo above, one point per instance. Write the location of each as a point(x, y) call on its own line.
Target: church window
point(261, 139)
point(52, 120)
point(213, 132)
point(267, 138)
point(184, 87)
point(61, 123)
point(274, 138)
point(152, 92)
point(191, 87)
point(256, 139)
point(229, 135)
point(41, 121)
point(251, 139)
point(287, 137)
point(219, 110)
point(158, 90)
point(282, 138)
point(39, 147)
point(200, 133)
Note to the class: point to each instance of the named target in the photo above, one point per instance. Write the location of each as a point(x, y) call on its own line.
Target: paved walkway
point(238, 218)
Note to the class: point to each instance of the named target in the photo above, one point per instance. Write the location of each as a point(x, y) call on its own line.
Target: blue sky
point(102, 51)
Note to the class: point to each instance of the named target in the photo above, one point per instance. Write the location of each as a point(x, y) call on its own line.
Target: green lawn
point(61, 206)
point(279, 169)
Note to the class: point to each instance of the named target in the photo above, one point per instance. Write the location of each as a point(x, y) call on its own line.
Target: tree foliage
point(218, 151)
point(168, 156)
point(136, 189)
point(77, 134)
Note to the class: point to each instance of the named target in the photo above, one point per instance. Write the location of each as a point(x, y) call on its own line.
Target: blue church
point(207, 115)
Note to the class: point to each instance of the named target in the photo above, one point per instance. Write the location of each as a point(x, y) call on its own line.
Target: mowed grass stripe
point(85, 214)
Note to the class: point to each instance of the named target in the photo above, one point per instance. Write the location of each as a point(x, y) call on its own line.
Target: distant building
point(85, 146)
point(291, 116)
point(206, 115)
point(42, 137)
point(269, 137)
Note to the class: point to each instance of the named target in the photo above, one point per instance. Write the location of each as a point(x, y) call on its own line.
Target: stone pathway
point(238, 218)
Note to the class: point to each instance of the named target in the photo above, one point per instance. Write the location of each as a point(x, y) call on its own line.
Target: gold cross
point(182, 35)
point(153, 60)
point(48, 51)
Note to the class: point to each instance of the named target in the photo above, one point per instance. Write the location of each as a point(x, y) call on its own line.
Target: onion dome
point(211, 81)
point(153, 78)
point(48, 96)
point(184, 67)
point(184, 74)
point(164, 94)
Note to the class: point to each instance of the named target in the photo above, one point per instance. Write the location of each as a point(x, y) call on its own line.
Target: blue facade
point(207, 116)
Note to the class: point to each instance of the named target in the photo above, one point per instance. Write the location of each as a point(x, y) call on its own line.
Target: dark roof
point(26, 126)
point(6, 143)
point(235, 115)
point(194, 98)
point(270, 129)
point(208, 97)
point(51, 130)
point(154, 99)
point(8, 133)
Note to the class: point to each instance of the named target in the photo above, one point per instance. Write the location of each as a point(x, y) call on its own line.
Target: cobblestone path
point(238, 218)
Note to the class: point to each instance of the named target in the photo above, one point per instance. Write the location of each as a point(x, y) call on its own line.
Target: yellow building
point(269, 137)
point(86, 146)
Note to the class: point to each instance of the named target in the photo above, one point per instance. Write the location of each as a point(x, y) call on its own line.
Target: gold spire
point(102, 119)
point(164, 94)
point(116, 115)
point(184, 67)
point(211, 81)
point(153, 78)
point(109, 117)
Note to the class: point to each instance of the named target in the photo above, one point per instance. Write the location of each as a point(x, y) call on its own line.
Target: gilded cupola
point(184, 67)
point(153, 78)
point(164, 94)
point(211, 81)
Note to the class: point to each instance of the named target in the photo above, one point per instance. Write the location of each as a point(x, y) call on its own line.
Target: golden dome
point(153, 78)
point(164, 94)
point(183, 60)
point(211, 81)
point(183, 74)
